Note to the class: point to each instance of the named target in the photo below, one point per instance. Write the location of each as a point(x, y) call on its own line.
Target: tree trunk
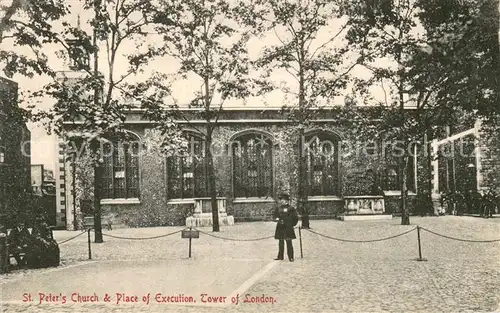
point(302, 182)
point(73, 174)
point(405, 215)
point(97, 167)
point(212, 190)
point(97, 205)
point(428, 172)
point(302, 177)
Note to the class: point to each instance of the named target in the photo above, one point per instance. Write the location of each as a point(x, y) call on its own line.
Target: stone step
point(360, 217)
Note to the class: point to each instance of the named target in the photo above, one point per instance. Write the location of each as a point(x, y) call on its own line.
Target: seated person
point(19, 241)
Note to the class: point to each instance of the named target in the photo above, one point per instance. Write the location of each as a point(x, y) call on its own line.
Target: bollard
point(419, 246)
point(190, 238)
point(88, 240)
point(300, 240)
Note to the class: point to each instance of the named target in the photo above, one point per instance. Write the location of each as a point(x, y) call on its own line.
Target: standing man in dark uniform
point(286, 217)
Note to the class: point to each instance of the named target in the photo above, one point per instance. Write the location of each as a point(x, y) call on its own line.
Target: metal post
point(419, 246)
point(190, 228)
point(88, 240)
point(300, 240)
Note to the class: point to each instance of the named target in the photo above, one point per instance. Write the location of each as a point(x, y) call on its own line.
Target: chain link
point(233, 239)
point(310, 230)
point(457, 239)
point(69, 239)
point(142, 238)
point(360, 241)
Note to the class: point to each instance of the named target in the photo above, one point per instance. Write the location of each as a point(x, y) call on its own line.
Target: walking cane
point(300, 240)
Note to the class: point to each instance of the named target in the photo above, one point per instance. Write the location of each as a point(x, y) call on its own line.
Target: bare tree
point(309, 35)
point(91, 105)
point(208, 40)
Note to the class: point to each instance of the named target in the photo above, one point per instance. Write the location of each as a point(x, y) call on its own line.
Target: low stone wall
point(135, 215)
point(325, 209)
point(393, 204)
point(251, 211)
point(259, 211)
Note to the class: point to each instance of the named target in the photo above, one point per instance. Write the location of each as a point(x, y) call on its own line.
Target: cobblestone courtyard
point(333, 276)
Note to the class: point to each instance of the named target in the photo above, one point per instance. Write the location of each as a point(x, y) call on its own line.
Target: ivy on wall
point(490, 154)
point(84, 184)
point(153, 209)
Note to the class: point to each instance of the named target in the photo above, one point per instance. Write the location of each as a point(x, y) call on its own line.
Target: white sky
point(44, 147)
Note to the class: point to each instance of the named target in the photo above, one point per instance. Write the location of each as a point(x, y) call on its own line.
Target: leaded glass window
point(321, 151)
point(252, 166)
point(187, 171)
point(120, 170)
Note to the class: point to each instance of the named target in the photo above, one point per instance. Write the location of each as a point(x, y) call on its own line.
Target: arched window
point(120, 169)
point(391, 176)
point(321, 151)
point(187, 172)
point(252, 165)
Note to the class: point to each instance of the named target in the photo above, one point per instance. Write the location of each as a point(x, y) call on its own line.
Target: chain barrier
point(142, 238)
point(190, 236)
point(458, 239)
point(233, 239)
point(69, 239)
point(269, 237)
point(361, 241)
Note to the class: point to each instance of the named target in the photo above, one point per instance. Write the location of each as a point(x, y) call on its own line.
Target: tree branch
point(6, 19)
point(329, 41)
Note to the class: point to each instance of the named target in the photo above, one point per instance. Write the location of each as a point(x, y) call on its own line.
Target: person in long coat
point(286, 218)
point(19, 240)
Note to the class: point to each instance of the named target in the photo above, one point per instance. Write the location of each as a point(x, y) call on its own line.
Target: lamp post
point(471, 174)
point(471, 187)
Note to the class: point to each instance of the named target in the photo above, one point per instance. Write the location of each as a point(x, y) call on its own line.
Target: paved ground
point(333, 276)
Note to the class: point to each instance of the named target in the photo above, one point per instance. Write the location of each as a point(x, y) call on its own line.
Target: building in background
point(43, 187)
point(15, 145)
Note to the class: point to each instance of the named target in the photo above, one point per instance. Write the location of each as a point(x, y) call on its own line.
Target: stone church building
point(255, 157)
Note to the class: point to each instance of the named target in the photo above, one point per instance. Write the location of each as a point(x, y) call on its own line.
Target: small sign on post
point(190, 234)
point(88, 222)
